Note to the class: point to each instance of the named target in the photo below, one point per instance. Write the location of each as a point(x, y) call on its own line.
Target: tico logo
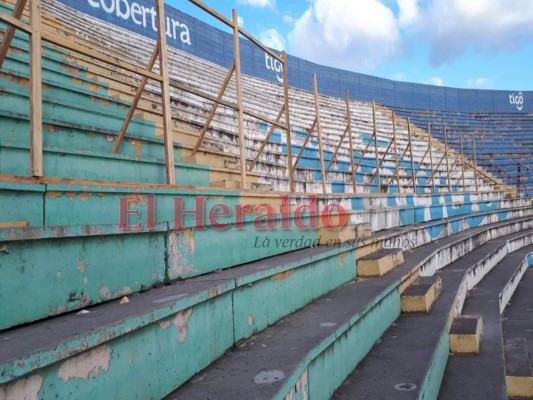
point(274, 65)
point(517, 100)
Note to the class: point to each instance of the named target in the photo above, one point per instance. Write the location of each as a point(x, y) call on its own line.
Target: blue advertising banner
point(202, 40)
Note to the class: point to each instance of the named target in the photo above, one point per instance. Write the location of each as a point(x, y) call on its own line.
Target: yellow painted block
point(465, 335)
point(380, 263)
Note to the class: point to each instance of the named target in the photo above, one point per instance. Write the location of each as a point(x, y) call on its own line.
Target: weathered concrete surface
point(518, 316)
point(415, 349)
point(268, 350)
point(463, 373)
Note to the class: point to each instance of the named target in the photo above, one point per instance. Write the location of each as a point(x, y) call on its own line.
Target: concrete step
point(487, 301)
point(318, 336)
point(519, 374)
point(348, 233)
point(414, 351)
point(197, 320)
point(465, 334)
point(420, 297)
point(379, 263)
point(517, 322)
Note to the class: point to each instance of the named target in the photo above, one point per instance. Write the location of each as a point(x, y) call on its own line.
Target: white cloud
point(258, 3)
point(241, 21)
point(409, 12)
point(273, 39)
point(454, 26)
point(479, 83)
point(437, 81)
point(347, 34)
point(288, 19)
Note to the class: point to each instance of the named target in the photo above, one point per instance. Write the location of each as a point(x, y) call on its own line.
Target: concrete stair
point(420, 297)
point(414, 351)
point(519, 374)
point(478, 342)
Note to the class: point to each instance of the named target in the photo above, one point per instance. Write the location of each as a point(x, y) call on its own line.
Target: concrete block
point(420, 297)
point(518, 371)
point(465, 335)
point(379, 263)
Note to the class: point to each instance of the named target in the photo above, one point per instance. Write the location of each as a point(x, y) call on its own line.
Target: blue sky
point(482, 44)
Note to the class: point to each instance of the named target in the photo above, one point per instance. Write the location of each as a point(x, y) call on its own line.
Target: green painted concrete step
point(414, 351)
point(166, 334)
point(297, 356)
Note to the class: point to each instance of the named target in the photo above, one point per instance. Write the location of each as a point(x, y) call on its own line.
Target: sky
point(480, 44)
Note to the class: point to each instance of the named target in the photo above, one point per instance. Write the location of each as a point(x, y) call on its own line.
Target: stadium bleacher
point(117, 285)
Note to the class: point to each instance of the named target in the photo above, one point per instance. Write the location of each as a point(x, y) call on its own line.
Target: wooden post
point(378, 173)
point(396, 151)
point(448, 179)
point(213, 109)
point(431, 156)
point(165, 94)
point(411, 153)
point(36, 111)
point(287, 120)
point(265, 141)
point(319, 133)
point(350, 139)
point(10, 31)
point(136, 100)
point(462, 162)
point(238, 75)
point(475, 161)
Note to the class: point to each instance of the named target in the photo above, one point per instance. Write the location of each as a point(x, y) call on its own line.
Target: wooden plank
point(411, 154)
point(319, 133)
point(475, 161)
point(165, 95)
point(36, 112)
point(337, 148)
point(214, 108)
point(448, 179)
point(67, 44)
point(10, 31)
point(462, 162)
point(238, 74)
point(189, 89)
point(300, 153)
point(265, 141)
point(431, 155)
point(14, 225)
point(396, 150)
point(136, 100)
point(288, 132)
point(350, 138)
point(378, 173)
point(15, 23)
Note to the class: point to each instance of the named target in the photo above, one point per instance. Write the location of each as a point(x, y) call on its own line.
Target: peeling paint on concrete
point(299, 391)
point(283, 275)
point(181, 322)
point(126, 290)
point(53, 195)
point(164, 324)
point(342, 257)
point(251, 320)
point(81, 266)
point(105, 293)
point(86, 365)
point(130, 358)
point(22, 389)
